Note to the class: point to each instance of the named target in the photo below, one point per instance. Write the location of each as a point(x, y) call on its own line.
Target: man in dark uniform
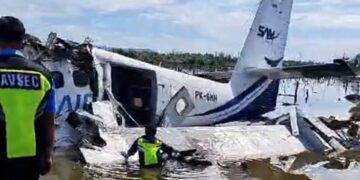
point(27, 107)
point(150, 149)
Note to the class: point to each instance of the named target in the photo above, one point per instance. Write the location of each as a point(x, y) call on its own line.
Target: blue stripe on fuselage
point(264, 103)
point(237, 99)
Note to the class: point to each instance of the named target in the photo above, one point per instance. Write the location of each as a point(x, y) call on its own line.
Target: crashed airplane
point(149, 92)
point(141, 93)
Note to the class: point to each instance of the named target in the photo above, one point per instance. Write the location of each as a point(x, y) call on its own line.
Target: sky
point(320, 30)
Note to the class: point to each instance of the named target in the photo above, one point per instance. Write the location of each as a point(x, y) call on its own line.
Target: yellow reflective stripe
point(19, 107)
point(150, 151)
point(19, 70)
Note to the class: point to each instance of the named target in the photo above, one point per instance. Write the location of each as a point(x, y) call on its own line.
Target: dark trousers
point(19, 169)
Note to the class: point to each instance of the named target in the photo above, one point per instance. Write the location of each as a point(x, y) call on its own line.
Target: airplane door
point(164, 96)
point(179, 106)
point(137, 90)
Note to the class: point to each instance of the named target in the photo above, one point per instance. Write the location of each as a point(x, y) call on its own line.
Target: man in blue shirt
point(27, 108)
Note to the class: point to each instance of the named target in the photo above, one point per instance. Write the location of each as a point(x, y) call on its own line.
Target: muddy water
point(320, 96)
point(65, 169)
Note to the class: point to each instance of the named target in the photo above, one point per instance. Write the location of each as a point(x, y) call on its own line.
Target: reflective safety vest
point(21, 95)
point(150, 151)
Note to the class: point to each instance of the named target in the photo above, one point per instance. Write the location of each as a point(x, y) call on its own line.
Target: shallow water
point(321, 102)
point(65, 169)
point(325, 98)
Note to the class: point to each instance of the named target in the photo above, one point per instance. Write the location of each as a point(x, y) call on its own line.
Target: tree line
point(218, 61)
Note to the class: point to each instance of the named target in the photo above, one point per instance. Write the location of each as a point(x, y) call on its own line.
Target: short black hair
point(11, 29)
point(150, 130)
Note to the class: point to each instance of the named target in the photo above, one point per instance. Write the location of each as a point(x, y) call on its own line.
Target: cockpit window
point(58, 79)
point(81, 78)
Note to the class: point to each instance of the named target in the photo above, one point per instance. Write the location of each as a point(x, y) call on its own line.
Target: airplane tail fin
point(263, 50)
point(265, 45)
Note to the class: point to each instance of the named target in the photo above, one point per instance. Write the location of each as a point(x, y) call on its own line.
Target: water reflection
point(65, 169)
point(172, 170)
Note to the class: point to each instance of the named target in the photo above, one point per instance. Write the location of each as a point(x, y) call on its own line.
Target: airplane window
point(138, 102)
point(181, 106)
point(58, 79)
point(81, 78)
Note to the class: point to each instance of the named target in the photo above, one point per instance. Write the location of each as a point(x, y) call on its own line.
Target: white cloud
point(222, 25)
point(341, 14)
point(211, 20)
point(116, 5)
point(66, 8)
point(229, 28)
point(327, 20)
point(324, 50)
point(156, 16)
point(170, 43)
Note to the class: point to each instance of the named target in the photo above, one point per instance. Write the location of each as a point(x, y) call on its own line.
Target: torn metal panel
point(310, 139)
point(105, 110)
point(220, 143)
point(322, 127)
point(87, 125)
point(248, 142)
point(328, 135)
point(294, 116)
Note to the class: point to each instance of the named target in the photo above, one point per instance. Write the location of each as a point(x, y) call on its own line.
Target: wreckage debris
point(351, 126)
point(354, 98)
point(86, 125)
point(353, 130)
point(334, 124)
point(191, 157)
point(338, 163)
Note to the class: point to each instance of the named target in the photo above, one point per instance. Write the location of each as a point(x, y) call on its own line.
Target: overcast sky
point(320, 29)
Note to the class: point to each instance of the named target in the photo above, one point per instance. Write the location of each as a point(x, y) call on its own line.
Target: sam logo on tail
point(267, 33)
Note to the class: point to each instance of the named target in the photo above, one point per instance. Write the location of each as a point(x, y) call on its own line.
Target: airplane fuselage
point(205, 94)
point(212, 102)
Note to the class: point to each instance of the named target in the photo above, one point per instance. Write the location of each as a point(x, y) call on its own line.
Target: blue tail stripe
point(237, 99)
point(264, 103)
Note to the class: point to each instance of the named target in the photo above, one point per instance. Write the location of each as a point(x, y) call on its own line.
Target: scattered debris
point(334, 124)
point(354, 98)
point(88, 127)
point(284, 163)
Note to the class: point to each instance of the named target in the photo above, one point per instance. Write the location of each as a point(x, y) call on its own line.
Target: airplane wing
point(339, 68)
point(221, 76)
